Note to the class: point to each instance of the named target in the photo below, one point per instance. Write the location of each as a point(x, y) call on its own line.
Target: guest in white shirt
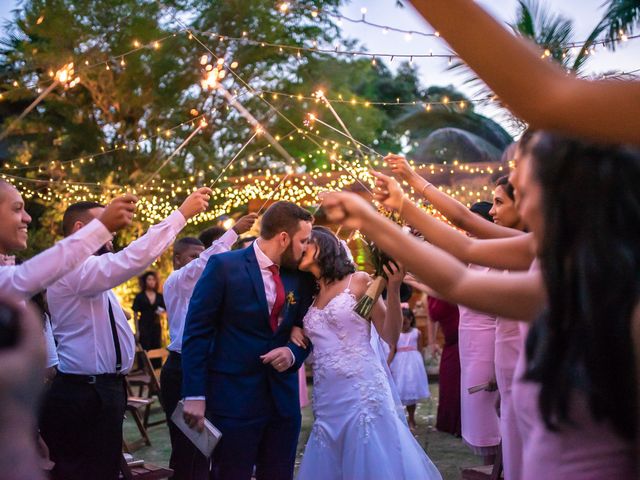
point(27, 279)
point(35, 275)
point(189, 260)
point(83, 412)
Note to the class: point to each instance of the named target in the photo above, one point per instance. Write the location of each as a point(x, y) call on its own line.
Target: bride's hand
point(298, 337)
point(395, 274)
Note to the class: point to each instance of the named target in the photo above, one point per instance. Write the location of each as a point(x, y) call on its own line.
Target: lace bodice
point(340, 337)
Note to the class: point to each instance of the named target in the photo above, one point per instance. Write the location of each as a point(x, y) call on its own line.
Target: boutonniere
point(291, 298)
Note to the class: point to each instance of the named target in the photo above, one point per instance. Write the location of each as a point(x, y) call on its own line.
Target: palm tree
point(620, 18)
point(551, 32)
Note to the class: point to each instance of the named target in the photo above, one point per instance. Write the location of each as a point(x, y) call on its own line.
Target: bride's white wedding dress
point(357, 433)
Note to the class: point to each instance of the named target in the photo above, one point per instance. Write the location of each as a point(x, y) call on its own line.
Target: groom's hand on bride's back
point(280, 358)
point(193, 413)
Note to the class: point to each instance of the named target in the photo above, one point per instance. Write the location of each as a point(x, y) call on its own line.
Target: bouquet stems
point(364, 307)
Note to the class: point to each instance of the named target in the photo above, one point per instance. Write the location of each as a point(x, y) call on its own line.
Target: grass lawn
point(447, 452)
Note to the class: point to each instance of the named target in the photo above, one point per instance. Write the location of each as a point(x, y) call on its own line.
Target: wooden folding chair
point(147, 379)
point(134, 404)
point(145, 471)
point(145, 376)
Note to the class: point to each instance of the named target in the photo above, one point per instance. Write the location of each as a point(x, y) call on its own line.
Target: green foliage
point(124, 106)
point(620, 16)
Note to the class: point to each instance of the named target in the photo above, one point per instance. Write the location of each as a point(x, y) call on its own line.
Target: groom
point(237, 360)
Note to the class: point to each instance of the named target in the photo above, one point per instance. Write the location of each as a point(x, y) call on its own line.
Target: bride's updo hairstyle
point(330, 255)
point(590, 260)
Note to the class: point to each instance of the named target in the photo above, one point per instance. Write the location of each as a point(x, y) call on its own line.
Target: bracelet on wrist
point(426, 185)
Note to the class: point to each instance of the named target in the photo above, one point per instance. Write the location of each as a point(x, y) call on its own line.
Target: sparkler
point(64, 76)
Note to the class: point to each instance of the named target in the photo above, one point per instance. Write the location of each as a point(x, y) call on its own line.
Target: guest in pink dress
point(303, 391)
point(582, 447)
point(480, 421)
point(577, 402)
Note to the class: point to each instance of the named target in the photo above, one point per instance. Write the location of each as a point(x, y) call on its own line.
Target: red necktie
point(279, 303)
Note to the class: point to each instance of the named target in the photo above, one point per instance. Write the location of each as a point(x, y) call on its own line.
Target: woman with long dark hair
point(357, 433)
point(147, 307)
point(584, 301)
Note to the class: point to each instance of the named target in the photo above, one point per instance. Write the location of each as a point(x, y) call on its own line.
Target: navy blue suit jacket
point(226, 331)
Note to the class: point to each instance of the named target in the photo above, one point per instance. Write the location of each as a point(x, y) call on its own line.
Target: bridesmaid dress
point(585, 450)
point(476, 341)
point(509, 344)
point(303, 391)
point(449, 399)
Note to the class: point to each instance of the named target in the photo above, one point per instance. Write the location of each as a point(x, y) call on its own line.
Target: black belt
point(92, 379)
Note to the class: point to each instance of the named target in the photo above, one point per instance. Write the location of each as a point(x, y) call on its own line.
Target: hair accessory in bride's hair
point(346, 250)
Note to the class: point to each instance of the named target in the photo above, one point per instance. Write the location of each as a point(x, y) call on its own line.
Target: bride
point(357, 433)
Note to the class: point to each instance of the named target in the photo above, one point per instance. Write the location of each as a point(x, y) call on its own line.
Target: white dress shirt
point(178, 287)
point(36, 274)
point(264, 263)
point(79, 303)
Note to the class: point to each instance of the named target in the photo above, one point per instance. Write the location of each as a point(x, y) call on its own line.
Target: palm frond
point(620, 17)
point(550, 31)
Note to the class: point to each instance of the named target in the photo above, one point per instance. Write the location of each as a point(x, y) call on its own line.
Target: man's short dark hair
point(183, 243)
point(77, 212)
point(283, 217)
point(210, 235)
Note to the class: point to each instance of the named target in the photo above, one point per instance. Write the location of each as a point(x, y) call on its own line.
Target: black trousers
point(186, 460)
point(81, 424)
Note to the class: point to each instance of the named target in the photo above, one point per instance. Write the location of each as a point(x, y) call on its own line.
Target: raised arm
point(184, 280)
point(37, 273)
point(107, 271)
point(535, 89)
point(514, 253)
point(386, 318)
point(515, 295)
point(456, 212)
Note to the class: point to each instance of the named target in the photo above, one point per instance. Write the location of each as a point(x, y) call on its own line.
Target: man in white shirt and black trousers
point(83, 411)
point(189, 260)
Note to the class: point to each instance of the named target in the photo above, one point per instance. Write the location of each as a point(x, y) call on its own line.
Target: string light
point(105, 63)
point(315, 49)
